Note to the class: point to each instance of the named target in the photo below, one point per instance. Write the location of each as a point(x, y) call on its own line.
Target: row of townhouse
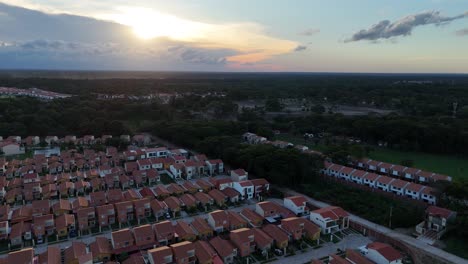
point(105, 208)
point(397, 186)
point(399, 171)
point(254, 139)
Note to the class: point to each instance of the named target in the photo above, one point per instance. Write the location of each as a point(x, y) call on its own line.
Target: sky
point(385, 36)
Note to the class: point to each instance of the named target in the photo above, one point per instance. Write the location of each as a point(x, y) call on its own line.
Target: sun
point(149, 24)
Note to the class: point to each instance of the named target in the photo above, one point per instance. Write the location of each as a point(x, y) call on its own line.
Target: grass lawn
point(449, 165)
point(456, 245)
point(165, 179)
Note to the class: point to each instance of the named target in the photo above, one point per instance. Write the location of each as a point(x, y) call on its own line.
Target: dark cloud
point(462, 32)
point(200, 55)
point(386, 29)
point(300, 48)
point(310, 32)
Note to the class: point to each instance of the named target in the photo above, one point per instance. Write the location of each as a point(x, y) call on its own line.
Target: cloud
point(300, 48)
point(462, 32)
point(195, 55)
point(386, 29)
point(310, 32)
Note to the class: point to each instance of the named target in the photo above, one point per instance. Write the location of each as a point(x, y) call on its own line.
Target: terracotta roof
point(414, 187)
point(158, 254)
point(297, 200)
point(204, 251)
point(230, 192)
point(51, 256)
point(183, 229)
point(276, 233)
point(387, 251)
point(173, 203)
point(200, 225)
point(23, 256)
point(74, 251)
point(332, 212)
point(181, 249)
point(223, 247)
point(261, 238)
point(384, 180)
point(371, 176)
point(439, 211)
point(356, 257)
point(100, 246)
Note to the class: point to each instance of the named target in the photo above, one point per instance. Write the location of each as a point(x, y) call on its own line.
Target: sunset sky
point(236, 35)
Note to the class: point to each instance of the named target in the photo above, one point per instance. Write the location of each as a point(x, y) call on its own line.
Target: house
point(370, 179)
point(122, 240)
point(43, 226)
point(202, 228)
point(19, 232)
point(384, 168)
point(101, 249)
point(52, 255)
point(297, 204)
point(65, 224)
point(398, 186)
point(61, 207)
point(98, 198)
point(215, 167)
point(10, 148)
point(173, 204)
point(383, 183)
point(176, 171)
point(225, 249)
point(428, 195)
point(188, 201)
point(280, 237)
point(184, 231)
point(294, 226)
point(219, 197)
point(261, 187)
point(164, 232)
point(190, 187)
point(204, 252)
point(125, 212)
point(236, 221)
point(174, 188)
point(144, 236)
point(330, 219)
point(161, 191)
point(23, 256)
point(437, 220)
point(219, 221)
point(190, 169)
point(86, 218)
point(142, 209)
point(144, 164)
point(413, 191)
point(231, 194)
point(263, 241)
point(158, 208)
point(221, 183)
point(345, 173)
point(411, 174)
point(397, 171)
point(40, 207)
point(114, 196)
point(356, 258)
point(73, 252)
point(239, 175)
point(357, 176)
point(254, 219)
point(161, 255)
point(381, 253)
point(311, 231)
point(106, 215)
point(268, 209)
point(244, 240)
point(204, 199)
point(245, 188)
point(204, 185)
point(184, 253)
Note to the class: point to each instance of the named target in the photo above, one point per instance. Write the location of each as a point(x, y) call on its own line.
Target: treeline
point(430, 134)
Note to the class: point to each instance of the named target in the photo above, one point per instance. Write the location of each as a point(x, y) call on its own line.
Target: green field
point(449, 165)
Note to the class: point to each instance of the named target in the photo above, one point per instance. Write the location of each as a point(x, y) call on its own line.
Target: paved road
point(411, 241)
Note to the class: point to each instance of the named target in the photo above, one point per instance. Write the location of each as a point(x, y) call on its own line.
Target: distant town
point(32, 92)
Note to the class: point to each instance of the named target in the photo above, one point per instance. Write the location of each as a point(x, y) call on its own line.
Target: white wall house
point(381, 253)
point(239, 175)
point(413, 191)
point(177, 170)
point(297, 204)
point(330, 219)
point(9, 149)
point(245, 188)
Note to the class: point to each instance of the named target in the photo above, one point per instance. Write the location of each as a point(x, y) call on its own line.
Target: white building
point(239, 175)
point(381, 253)
point(9, 148)
point(297, 204)
point(330, 219)
point(245, 188)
